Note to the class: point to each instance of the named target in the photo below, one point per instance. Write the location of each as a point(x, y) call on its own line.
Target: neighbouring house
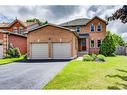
point(52, 42)
point(13, 35)
point(91, 33)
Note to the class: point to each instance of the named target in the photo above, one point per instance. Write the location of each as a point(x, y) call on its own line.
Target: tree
point(37, 21)
point(125, 44)
point(107, 47)
point(118, 40)
point(120, 14)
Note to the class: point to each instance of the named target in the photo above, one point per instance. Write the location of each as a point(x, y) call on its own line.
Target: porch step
point(81, 53)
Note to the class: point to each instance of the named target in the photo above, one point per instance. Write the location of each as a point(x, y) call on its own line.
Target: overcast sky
point(60, 14)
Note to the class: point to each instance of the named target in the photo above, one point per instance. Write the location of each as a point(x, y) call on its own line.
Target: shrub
point(10, 52)
point(113, 54)
point(108, 45)
point(94, 56)
point(101, 57)
point(17, 52)
point(87, 58)
point(25, 56)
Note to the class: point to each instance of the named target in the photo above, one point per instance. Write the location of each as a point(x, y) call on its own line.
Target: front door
point(83, 45)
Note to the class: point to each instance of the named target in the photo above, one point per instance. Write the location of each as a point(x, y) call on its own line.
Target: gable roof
point(75, 22)
point(25, 24)
point(7, 32)
point(97, 18)
point(4, 24)
point(16, 20)
point(71, 30)
point(81, 21)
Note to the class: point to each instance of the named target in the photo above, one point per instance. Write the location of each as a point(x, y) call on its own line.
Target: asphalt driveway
point(28, 75)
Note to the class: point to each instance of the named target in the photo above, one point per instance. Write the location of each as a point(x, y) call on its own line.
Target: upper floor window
point(21, 30)
point(15, 30)
point(78, 28)
point(99, 27)
point(92, 43)
point(92, 27)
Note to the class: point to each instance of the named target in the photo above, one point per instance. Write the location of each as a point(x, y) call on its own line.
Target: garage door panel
point(1, 51)
point(40, 51)
point(61, 50)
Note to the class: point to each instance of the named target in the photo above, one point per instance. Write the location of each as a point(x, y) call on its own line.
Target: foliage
point(13, 52)
point(120, 14)
point(25, 56)
point(17, 52)
point(118, 40)
point(113, 54)
point(37, 21)
point(126, 44)
point(87, 58)
point(101, 57)
point(9, 60)
point(45, 23)
point(10, 52)
point(108, 45)
point(94, 56)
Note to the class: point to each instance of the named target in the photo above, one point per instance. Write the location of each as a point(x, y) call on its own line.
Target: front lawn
point(111, 74)
point(9, 60)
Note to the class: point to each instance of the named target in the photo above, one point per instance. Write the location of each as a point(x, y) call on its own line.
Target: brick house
point(67, 40)
point(13, 34)
point(91, 33)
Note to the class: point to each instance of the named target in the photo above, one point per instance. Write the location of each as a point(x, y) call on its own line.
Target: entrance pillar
point(87, 44)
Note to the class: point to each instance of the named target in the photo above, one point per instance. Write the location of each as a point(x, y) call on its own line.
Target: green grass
point(9, 60)
point(111, 74)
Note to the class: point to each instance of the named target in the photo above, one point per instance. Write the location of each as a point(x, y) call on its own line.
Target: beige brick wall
point(51, 34)
point(5, 43)
point(92, 35)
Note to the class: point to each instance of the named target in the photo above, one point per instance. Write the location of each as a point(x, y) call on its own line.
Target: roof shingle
point(81, 21)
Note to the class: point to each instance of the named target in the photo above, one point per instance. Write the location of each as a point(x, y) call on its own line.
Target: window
point(99, 27)
point(98, 43)
point(83, 43)
point(92, 43)
point(15, 30)
point(78, 28)
point(92, 28)
point(21, 30)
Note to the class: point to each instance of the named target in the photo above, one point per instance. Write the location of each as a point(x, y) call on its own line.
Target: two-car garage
point(59, 51)
point(1, 51)
point(52, 42)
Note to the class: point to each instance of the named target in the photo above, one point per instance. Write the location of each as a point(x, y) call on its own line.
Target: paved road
point(28, 75)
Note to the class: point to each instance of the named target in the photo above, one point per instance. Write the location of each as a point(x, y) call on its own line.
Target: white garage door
point(61, 50)
point(1, 51)
point(39, 51)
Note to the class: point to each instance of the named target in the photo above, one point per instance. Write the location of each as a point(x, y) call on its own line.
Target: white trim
point(20, 30)
point(77, 29)
point(97, 27)
point(90, 44)
point(94, 27)
point(15, 28)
